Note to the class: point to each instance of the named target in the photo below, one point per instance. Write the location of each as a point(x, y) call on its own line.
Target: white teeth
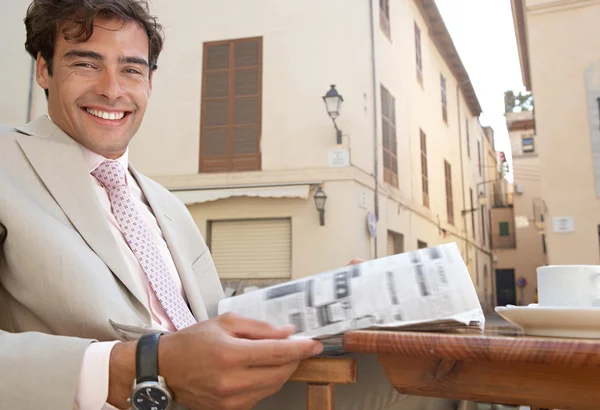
point(113, 116)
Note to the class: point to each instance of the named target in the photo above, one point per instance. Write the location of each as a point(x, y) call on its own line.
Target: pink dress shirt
point(92, 391)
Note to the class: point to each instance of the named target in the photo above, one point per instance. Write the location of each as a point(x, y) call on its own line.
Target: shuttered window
point(472, 212)
point(449, 195)
point(479, 158)
point(388, 120)
point(444, 99)
point(247, 249)
point(231, 106)
point(468, 137)
point(424, 171)
point(418, 54)
point(384, 17)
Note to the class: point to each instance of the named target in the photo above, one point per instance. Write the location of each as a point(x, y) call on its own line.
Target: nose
point(109, 85)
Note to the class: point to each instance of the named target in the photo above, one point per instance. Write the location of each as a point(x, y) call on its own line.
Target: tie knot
point(110, 174)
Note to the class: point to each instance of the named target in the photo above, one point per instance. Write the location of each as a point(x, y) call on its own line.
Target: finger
point(242, 327)
point(356, 261)
point(277, 352)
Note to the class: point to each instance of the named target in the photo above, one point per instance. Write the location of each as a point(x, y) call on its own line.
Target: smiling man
point(95, 256)
point(108, 292)
point(98, 96)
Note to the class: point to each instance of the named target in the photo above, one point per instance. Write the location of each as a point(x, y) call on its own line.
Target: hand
point(230, 362)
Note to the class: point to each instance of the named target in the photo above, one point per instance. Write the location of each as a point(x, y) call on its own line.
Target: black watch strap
point(146, 358)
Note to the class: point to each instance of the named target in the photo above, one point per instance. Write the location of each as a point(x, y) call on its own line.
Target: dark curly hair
point(76, 17)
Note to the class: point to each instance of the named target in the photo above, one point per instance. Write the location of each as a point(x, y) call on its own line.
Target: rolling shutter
point(246, 249)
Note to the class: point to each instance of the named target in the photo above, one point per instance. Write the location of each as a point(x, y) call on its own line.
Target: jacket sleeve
point(39, 371)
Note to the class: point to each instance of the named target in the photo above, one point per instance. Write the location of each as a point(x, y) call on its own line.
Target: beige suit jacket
point(63, 282)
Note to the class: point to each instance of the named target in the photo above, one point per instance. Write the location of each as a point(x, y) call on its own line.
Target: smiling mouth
point(105, 115)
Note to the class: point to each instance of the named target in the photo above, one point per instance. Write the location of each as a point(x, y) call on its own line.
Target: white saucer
point(554, 321)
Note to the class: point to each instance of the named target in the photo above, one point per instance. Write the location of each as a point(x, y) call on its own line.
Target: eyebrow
point(97, 56)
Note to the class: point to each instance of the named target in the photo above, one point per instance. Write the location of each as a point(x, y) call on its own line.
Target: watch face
point(150, 398)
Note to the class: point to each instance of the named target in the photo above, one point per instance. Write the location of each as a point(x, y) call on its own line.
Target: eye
point(132, 71)
point(84, 65)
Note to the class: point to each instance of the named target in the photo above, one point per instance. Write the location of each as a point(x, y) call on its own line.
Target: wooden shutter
point(444, 99)
point(231, 106)
point(418, 53)
point(250, 249)
point(424, 171)
point(388, 124)
point(472, 212)
point(449, 195)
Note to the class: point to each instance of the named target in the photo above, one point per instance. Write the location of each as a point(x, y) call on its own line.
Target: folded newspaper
point(426, 289)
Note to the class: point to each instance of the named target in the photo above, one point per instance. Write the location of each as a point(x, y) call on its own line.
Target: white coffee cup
point(569, 285)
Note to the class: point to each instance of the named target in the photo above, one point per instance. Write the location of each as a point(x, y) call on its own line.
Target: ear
point(41, 72)
point(150, 80)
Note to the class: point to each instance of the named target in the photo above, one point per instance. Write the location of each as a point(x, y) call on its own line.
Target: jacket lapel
point(184, 267)
point(58, 161)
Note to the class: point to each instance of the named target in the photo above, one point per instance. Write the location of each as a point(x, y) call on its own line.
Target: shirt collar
point(93, 160)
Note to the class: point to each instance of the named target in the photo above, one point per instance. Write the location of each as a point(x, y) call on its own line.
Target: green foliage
point(523, 101)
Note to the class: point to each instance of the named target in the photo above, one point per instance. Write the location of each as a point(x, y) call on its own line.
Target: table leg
point(320, 396)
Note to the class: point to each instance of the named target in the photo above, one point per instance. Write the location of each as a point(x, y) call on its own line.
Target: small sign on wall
point(563, 224)
point(362, 199)
point(338, 158)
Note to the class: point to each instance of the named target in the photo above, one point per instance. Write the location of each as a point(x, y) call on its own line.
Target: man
point(95, 255)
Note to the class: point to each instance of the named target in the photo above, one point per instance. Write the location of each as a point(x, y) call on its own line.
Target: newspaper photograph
point(426, 287)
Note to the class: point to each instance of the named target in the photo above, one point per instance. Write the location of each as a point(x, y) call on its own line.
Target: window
point(504, 229)
point(483, 224)
point(231, 106)
point(449, 197)
point(418, 54)
point(479, 157)
point(472, 213)
point(384, 17)
point(395, 243)
point(444, 99)
point(468, 138)
point(421, 244)
point(528, 146)
point(388, 126)
point(424, 172)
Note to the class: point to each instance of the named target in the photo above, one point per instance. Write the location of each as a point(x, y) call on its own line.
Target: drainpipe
point(374, 91)
point(462, 173)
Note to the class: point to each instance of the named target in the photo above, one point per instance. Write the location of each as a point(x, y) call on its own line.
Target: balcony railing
point(504, 242)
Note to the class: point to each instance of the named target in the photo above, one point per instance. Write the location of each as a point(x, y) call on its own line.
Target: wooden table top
point(504, 344)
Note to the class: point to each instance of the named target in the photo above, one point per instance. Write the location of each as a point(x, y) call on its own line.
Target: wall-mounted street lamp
point(482, 199)
point(320, 199)
point(333, 103)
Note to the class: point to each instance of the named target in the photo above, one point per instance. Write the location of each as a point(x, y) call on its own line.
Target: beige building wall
point(523, 250)
point(558, 44)
point(16, 69)
point(302, 56)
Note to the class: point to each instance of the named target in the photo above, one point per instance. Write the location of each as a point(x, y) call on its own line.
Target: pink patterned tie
point(112, 176)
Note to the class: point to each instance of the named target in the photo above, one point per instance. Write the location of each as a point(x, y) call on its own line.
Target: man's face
point(99, 89)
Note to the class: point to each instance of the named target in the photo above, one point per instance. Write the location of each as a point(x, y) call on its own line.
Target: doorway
point(506, 293)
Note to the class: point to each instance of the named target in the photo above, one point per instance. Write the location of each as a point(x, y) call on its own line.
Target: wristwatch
point(150, 391)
